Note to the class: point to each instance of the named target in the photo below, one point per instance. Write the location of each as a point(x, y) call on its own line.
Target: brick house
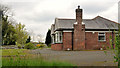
point(81, 34)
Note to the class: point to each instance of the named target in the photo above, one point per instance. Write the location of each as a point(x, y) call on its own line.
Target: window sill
point(101, 40)
point(58, 43)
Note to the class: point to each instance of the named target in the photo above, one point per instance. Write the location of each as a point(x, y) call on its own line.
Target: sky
point(38, 15)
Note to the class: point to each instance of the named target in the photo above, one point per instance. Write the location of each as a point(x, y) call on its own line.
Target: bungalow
point(81, 34)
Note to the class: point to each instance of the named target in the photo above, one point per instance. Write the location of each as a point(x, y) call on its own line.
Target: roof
point(96, 23)
point(52, 28)
point(64, 23)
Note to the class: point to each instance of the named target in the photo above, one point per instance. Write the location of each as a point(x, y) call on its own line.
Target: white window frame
point(102, 35)
point(57, 37)
point(60, 36)
point(53, 39)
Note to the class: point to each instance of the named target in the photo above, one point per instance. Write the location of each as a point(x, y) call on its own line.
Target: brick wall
point(92, 42)
point(79, 38)
point(79, 32)
point(57, 46)
point(67, 40)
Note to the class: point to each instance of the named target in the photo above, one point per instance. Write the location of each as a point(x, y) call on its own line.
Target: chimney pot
point(78, 6)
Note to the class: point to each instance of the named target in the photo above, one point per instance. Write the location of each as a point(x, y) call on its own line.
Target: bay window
point(53, 39)
point(58, 37)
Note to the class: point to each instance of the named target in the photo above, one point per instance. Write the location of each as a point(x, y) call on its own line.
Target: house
point(81, 34)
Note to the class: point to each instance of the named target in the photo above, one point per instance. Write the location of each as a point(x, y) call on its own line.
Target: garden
point(23, 57)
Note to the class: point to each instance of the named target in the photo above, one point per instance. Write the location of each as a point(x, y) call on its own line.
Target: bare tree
point(39, 38)
point(6, 10)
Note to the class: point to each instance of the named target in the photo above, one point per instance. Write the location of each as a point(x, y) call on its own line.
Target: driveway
point(80, 58)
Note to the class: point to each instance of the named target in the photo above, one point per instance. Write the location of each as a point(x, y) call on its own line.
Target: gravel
point(80, 58)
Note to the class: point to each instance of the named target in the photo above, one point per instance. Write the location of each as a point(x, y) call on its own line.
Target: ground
point(80, 58)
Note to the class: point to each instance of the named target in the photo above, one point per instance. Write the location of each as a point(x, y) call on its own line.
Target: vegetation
point(20, 57)
point(12, 32)
point(19, 46)
point(21, 34)
point(48, 38)
point(29, 46)
point(13, 52)
point(8, 31)
point(116, 49)
point(32, 62)
point(28, 40)
point(40, 45)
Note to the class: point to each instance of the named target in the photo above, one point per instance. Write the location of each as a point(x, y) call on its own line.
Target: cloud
point(111, 13)
point(38, 15)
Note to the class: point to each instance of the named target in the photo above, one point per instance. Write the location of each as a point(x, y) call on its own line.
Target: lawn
point(21, 57)
point(14, 52)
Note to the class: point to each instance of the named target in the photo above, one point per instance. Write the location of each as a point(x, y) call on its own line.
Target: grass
point(32, 62)
point(13, 52)
point(21, 57)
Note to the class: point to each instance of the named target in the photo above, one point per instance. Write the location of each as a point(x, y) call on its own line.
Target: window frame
point(53, 39)
point(57, 37)
point(102, 35)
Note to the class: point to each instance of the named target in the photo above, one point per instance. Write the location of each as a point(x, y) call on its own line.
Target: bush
point(29, 46)
point(19, 46)
point(40, 45)
point(49, 45)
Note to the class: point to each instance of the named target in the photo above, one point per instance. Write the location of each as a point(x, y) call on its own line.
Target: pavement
point(79, 58)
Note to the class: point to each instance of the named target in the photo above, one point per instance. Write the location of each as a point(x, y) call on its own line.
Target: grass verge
point(20, 57)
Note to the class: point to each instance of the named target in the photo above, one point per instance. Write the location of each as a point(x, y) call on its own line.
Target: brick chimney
point(79, 32)
point(79, 15)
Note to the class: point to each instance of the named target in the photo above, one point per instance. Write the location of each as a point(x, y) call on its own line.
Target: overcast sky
point(38, 15)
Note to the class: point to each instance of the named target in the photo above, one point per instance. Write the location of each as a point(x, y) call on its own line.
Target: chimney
point(79, 15)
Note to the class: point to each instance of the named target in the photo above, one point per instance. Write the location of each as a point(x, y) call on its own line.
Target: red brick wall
point(67, 40)
point(79, 37)
point(92, 40)
point(57, 46)
point(79, 32)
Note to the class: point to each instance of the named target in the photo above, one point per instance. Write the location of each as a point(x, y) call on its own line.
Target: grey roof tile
point(96, 23)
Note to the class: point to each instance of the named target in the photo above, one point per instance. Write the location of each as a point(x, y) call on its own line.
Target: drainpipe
point(72, 38)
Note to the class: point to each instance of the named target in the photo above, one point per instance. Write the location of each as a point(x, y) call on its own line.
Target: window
point(101, 37)
point(58, 37)
point(53, 39)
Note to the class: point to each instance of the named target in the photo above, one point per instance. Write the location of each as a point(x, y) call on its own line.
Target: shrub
point(40, 45)
point(49, 45)
point(19, 46)
point(29, 46)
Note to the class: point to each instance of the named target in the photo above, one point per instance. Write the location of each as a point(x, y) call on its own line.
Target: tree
point(117, 43)
point(116, 50)
point(21, 34)
point(8, 29)
point(8, 32)
point(48, 38)
point(28, 40)
point(12, 32)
